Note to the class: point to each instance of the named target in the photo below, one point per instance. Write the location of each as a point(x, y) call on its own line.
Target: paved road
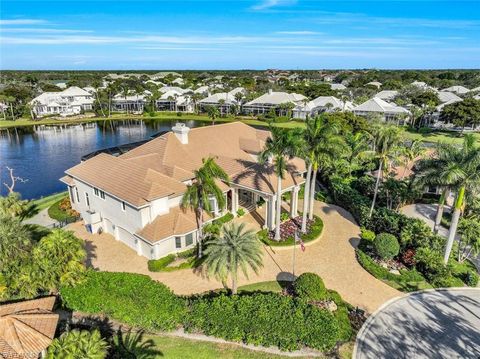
point(430, 324)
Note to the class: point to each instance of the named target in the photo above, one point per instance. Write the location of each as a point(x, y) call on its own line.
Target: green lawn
point(271, 286)
point(55, 212)
point(172, 347)
point(159, 116)
point(46, 202)
point(438, 136)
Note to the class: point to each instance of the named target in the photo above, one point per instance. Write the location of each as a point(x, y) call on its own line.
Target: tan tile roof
point(27, 328)
point(67, 180)
point(129, 181)
point(176, 222)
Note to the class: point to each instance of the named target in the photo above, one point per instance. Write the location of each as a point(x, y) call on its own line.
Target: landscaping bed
point(289, 321)
point(173, 262)
point(62, 210)
point(287, 232)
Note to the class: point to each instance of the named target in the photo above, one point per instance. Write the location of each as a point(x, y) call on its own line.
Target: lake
point(40, 155)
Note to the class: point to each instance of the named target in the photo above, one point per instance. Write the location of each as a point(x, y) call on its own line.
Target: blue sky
point(290, 34)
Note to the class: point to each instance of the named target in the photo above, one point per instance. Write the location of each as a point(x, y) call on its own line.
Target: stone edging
point(369, 320)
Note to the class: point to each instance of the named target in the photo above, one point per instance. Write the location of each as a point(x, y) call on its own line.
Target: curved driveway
point(429, 324)
point(332, 257)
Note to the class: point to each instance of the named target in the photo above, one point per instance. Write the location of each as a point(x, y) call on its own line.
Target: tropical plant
point(236, 249)
point(213, 113)
point(469, 245)
point(16, 242)
point(133, 345)
point(280, 146)
point(466, 179)
point(409, 153)
point(385, 141)
point(12, 205)
point(203, 188)
point(78, 344)
point(386, 245)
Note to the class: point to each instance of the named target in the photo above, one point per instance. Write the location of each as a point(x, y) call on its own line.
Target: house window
point(76, 192)
point(189, 239)
point(87, 200)
point(70, 189)
point(178, 242)
point(124, 207)
point(102, 195)
point(95, 191)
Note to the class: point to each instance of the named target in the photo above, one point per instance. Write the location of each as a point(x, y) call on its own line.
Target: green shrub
point(240, 212)
point(263, 319)
point(414, 233)
point(284, 216)
point(163, 264)
point(367, 235)
point(310, 286)
point(134, 299)
point(386, 246)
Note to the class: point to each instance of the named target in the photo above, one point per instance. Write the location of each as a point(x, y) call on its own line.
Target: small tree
point(78, 345)
point(469, 245)
point(236, 249)
point(213, 113)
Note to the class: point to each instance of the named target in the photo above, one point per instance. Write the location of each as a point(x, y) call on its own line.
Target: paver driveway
point(332, 257)
point(430, 324)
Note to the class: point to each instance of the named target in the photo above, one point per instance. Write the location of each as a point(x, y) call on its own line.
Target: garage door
point(125, 237)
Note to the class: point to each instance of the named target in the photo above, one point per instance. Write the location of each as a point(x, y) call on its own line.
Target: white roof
point(446, 96)
point(178, 81)
point(457, 89)
point(163, 74)
point(201, 89)
point(323, 101)
point(378, 105)
point(75, 91)
point(277, 98)
point(121, 97)
point(89, 89)
point(236, 90)
point(440, 107)
point(338, 86)
point(375, 83)
point(476, 89)
point(386, 94)
point(173, 88)
point(170, 93)
point(215, 98)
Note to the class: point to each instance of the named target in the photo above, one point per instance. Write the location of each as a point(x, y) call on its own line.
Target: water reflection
point(41, 154)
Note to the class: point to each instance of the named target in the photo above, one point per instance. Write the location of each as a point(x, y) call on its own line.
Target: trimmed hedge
point(264, 319)
point(386, 245)
point(162, 264)
point(134, 299)
point(310, 286)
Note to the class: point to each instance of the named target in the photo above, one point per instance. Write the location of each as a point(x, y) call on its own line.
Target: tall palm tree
point(467, 180)
point(203, 188)
point(236, 249)
point(441, 171)
point(327, 146)
point(78, 345)
point(409, 153)
point(386, 139)
point(280, 146)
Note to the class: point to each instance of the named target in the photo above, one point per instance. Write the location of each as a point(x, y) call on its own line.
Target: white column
point(234, 200)
point(294, 202)
point(271, 213)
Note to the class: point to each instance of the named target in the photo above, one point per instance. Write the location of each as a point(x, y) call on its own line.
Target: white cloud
point(43, 31)
point(22, 22)
point(268, 4)
point(303, 32)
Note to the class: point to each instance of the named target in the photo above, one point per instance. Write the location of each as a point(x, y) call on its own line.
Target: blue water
point(41, 156)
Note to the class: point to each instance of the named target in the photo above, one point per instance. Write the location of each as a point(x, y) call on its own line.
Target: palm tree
point(213, 113)
point(236, 249)
point(203, 188)
point(409, 153)
point(96, 85)
point(78, 344)
point(221, 104)
point(14, 206)
point(467, 180)
point(385, 141)
point(359, 150)
point(440, 171)
point(133, 345)
point(280, 146)
point(325, 146)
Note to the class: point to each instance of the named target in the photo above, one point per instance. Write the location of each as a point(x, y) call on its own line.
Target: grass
point(46, 202)
point(159, 116)
point(163, 264)
point(269, 286)
point(55, 212)
point(172, 347)
point(438, 136)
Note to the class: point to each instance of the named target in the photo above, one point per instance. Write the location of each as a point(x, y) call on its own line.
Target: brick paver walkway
point(332, 257)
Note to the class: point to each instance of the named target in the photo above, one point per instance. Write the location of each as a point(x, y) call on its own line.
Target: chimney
point(181, 131)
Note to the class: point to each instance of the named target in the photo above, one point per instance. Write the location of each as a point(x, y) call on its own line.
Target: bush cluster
point(386, 245)
point(162, 264)
point(134, 299)
point(367, 235)
point(310, 286)
point(264, 319)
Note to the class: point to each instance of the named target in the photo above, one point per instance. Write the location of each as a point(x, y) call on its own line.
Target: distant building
point(173, 100)
point(319, 105)
point(223, 100)
point(459, 90)
point(71, 101)
point(129, 102)
point(386, 111)
point(338, 87)
point(271, 100)
point(375, 83)
point(387, 95)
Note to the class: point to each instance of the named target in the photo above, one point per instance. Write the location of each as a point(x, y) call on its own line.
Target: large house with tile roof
point(272, 100)
point(136, 196)
point(71, 101)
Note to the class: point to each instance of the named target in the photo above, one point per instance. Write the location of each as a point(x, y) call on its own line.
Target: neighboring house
point(129, 102)
point(378, 107)
point(375, 84)
point(446, 96)
point(173, 88)
point(27, 328)
point(459, 90)
point(223, 100)
point(422, 85)
point(178, 81)
point(387, 95)
point(338, 87)
point(136, 197)
point(202, 90)
point(71, 101)
point(272, 100)
point(163, 74)
point(173, 100)
point(319, 105)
